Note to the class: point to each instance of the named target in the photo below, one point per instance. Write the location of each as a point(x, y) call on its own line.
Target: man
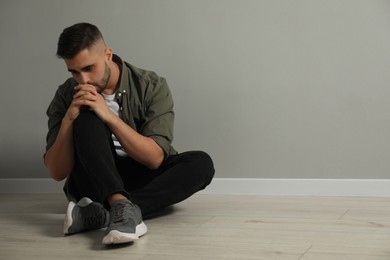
point(110, 133)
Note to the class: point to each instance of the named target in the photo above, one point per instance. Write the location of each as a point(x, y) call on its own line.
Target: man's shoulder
point(66, 90)
point(145, 75)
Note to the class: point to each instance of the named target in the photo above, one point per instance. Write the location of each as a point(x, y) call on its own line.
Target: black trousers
point(98, 172)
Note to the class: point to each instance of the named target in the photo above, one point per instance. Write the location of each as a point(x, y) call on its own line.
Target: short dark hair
point(77, 38)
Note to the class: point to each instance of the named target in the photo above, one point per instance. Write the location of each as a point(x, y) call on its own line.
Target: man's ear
point(108, 54)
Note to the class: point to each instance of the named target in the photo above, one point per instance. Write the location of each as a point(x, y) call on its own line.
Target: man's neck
point(114, 81)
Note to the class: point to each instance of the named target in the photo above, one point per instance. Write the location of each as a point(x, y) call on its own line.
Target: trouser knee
point(86, 120)
point(88, 126)
point(206, 165)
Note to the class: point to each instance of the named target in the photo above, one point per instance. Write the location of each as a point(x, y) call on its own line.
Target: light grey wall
point(271, 89)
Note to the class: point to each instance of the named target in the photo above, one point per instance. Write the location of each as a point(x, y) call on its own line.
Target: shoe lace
point(121, 212)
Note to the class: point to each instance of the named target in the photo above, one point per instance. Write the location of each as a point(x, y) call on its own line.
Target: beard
point(103, 84)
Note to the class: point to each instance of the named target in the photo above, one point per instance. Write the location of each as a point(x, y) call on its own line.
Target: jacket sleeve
point(56, 111)
point(159, 115)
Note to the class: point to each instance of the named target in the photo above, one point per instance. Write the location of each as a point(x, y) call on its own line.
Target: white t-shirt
point(114, 106)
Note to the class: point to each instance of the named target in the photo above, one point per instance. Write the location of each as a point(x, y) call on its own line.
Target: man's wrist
point(67, 121)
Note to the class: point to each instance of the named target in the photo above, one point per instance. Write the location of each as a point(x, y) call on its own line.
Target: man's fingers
point(86, 87)
point(82, 93)
point(86, 97)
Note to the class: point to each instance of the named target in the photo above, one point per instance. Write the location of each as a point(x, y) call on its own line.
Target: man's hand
point(88, 97)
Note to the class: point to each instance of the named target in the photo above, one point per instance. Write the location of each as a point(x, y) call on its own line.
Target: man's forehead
point(82, 59)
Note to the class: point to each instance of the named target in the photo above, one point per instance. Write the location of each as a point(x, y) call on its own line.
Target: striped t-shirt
point(114, 106)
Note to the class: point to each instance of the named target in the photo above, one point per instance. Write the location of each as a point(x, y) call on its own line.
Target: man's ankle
point(114, 197)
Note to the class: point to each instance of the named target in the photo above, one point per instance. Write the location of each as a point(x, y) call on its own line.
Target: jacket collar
point(124, 86)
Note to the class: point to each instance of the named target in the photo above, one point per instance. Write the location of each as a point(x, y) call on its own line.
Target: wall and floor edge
point(240, 186)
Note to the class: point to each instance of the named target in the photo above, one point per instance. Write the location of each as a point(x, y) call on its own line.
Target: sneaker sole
point(68, 217)
point(117, 237)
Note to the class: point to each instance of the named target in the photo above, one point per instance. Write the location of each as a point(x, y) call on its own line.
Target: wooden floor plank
point(209, 227)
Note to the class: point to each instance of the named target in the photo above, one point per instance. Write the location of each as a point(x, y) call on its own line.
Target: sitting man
point(110, 133)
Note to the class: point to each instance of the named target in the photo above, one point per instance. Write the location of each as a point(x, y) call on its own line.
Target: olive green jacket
point(144, 99)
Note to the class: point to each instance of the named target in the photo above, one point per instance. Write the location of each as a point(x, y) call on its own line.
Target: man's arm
point(59, 157)
point(141, 148)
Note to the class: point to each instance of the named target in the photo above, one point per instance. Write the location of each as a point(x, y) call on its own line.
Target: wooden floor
point(209, 227)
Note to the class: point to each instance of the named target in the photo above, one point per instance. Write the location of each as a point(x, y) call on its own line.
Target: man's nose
point(84, 78)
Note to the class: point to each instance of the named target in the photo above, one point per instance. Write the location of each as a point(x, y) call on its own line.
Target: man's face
point(90, 67)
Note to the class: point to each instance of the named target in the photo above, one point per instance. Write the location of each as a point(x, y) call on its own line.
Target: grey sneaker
point(126, 223)
point(85, 215)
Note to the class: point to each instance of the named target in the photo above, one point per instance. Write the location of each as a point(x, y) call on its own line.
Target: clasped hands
point(88, 97)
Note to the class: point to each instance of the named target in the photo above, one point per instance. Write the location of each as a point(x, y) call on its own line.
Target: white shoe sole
point(68, 217)
point(117, 237)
